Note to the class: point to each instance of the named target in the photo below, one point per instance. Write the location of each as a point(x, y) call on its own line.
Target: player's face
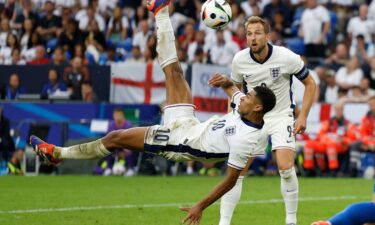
point(249, 103)
point(256, 37)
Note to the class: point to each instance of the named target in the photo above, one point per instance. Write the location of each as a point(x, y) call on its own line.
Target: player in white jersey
point(183, 137)
point(273, 67)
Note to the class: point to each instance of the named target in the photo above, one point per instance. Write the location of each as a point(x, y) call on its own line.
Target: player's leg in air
point(178, 93)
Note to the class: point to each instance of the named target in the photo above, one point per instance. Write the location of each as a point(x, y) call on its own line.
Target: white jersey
point(275, 72)
point(229, 136)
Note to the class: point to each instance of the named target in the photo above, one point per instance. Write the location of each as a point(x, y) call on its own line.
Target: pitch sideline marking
point(130, 206)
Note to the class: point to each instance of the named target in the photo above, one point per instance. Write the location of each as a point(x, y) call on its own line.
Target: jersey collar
point(251, 124)
point(270, 48)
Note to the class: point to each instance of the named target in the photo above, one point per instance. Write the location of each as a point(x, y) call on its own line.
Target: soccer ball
point(216, 14)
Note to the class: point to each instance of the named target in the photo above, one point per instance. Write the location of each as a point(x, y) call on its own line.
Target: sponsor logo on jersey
point(229, 131)
point(275, 72)
point(247, 76)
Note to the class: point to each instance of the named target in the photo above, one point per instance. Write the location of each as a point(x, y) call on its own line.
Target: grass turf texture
point(144, 200)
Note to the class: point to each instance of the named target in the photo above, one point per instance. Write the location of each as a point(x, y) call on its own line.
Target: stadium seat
point(296, 45)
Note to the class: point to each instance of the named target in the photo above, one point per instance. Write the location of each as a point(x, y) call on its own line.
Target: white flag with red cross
point(137, 83)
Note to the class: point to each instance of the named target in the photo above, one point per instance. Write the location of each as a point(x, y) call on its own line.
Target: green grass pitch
point(79, 200)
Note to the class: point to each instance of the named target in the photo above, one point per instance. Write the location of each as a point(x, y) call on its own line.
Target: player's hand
point(299, 125)
point(218, 80)
point(194, 215)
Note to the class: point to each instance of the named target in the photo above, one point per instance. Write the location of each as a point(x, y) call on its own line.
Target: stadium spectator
point(7, 148)
point(123, 156)
point(280, 24)
point(150, 51)
point(365, 88)
point(14, 88)
point(27, 30)
point(370, 73)
point(40, 56)
point(333, 139)
point(315, 24)
point(367, 125)
point(79, 51)
point(364, 51)
point(34, 41)
point(361, 213)
point(23, 13)
point(366, 143)
point(5, 30)
point(54, 84)
point(6, 51)
point(95, 42)
point(49, 24)
point(70, 37)
point(275, 7)
point(74, 75)
point(87, 92)
point(240, 37)
point(58, 58)
point(238, 17)
point(187, 37)
point(6, 141)
point(250, 7)
point(140, 15)
point(15, 58)
point(339, 57)
point(186, 8)
point(360, 25)
point(223, 51)
point(136, 55)
point(350, 75)
point(140, 38)
point(329, 90)
point(118, 26)
point(197, 44)
point(88, 17)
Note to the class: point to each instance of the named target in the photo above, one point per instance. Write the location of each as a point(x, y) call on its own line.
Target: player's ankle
point(57, 152)
point(162, 13)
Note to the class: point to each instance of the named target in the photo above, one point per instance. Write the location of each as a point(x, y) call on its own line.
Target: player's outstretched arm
point(220, 80)
point(308, 98)
point(195, 212)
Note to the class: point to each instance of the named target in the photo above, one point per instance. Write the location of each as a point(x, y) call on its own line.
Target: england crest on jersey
point(229, 131)
point(275, 72)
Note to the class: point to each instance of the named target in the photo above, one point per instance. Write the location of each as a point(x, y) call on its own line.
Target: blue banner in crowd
point(67, 121)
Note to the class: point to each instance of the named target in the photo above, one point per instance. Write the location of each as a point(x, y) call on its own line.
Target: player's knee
point(111, 138)
point(287, 173)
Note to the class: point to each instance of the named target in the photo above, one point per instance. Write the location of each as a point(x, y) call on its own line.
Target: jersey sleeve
point(235, 75)
point(236, 97)
point(242, 147)
point(297, 66)
point(261, 146)
point(239, 154)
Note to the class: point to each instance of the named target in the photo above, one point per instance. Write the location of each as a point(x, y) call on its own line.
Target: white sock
point(91, 150)
point(289, 191)
point(229, 201)
point(166, 47)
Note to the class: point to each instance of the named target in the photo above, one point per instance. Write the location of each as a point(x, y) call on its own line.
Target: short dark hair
point(266, 97)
